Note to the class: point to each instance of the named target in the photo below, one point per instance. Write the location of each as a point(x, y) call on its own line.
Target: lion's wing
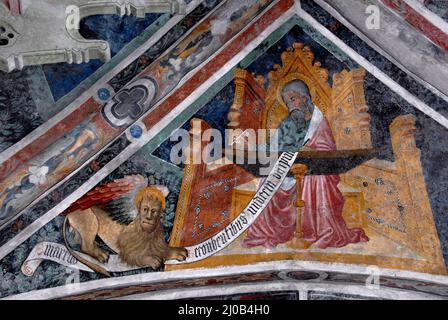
point(116, 198)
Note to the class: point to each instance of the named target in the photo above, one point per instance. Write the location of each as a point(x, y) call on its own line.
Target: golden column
point(299, 171)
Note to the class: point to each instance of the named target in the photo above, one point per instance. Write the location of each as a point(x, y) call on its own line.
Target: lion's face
point(150, 212)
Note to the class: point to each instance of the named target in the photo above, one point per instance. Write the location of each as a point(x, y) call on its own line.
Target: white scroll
point(59, 253)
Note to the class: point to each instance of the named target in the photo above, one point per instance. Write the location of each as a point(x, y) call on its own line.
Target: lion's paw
point(104, 257)
point(179, 254)
point(99, 254)
point(152, 262)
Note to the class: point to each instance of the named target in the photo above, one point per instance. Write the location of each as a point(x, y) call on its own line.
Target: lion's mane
point(134, 244)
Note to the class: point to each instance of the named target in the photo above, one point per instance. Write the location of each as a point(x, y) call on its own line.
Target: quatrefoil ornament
point(130, 103)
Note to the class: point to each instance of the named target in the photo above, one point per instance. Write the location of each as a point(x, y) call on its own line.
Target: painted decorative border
point(430, 24)
point(278, 274)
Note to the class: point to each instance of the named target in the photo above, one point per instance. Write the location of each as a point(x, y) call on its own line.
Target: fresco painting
point(231, 143)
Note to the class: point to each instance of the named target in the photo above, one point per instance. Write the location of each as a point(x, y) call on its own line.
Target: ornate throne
point(343, 105)
point(388, 199)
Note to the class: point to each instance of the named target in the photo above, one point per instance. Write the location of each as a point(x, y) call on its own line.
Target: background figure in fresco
point(322, 221)
point(75, 145)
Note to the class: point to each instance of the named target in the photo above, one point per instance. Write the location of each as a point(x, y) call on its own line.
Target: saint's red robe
point(15, 6)
point(322, 221)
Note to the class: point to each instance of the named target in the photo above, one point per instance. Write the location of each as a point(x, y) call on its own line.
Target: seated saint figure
point(322, 222)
